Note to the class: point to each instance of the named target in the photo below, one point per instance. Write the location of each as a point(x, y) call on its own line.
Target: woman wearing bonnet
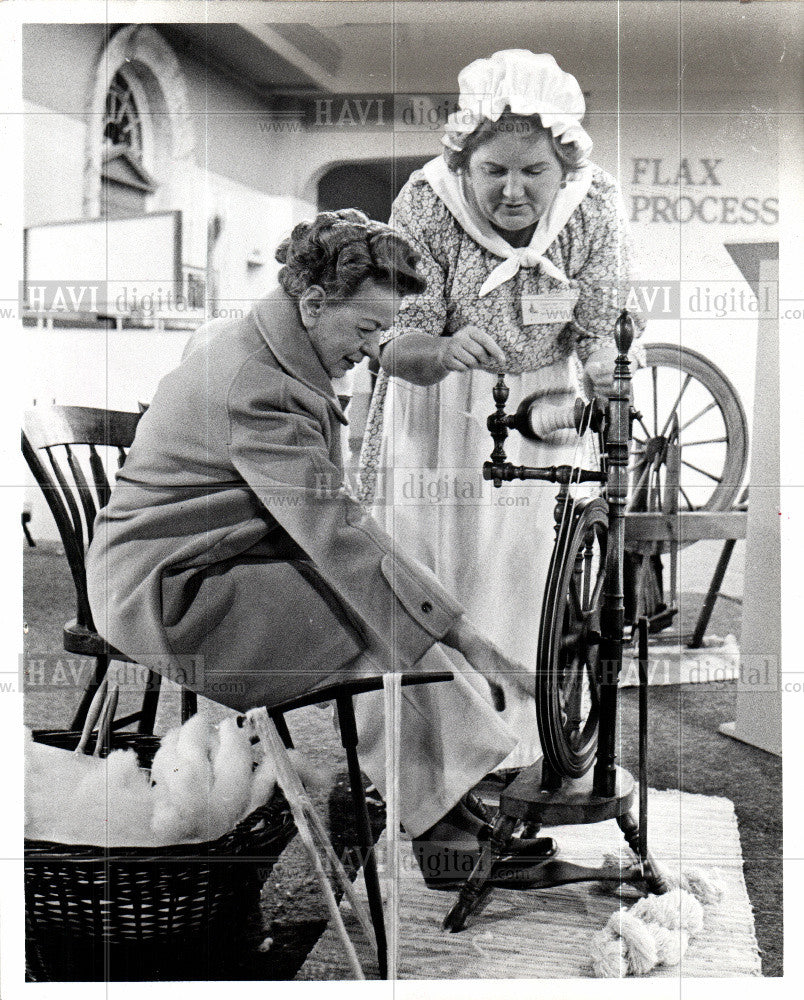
point(515, 227)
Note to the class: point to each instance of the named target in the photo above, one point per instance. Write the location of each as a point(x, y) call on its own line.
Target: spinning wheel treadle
point(567, 697)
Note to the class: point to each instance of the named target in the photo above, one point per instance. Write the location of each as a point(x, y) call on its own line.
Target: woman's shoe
point(524, 848)
point(478, 808)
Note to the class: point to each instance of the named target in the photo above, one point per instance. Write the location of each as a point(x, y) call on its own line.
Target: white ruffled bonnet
point(528, 84)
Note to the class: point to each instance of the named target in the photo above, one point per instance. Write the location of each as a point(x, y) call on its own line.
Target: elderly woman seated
point(232, 557)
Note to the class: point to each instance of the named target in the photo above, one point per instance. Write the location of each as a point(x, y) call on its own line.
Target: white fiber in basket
point(232, 774)
point(202, 783)
point(182, 772)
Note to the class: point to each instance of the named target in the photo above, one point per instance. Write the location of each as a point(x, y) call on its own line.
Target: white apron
point(490, 548)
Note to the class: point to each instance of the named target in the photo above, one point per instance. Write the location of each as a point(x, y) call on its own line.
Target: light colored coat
point(230, 556)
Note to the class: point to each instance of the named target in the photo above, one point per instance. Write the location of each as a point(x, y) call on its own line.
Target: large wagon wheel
point(688, 452)
point(569, 641)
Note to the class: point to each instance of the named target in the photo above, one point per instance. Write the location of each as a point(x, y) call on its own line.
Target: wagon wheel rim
point(567, 687)
point(684, 399)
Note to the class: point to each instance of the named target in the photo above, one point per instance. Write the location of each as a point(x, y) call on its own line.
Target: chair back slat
point(61, 432)
point(102, 489)
point(67, 494)
point(84, 491)
point(72, 548)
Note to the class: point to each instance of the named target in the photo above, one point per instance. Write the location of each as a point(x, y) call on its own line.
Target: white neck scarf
point(447, 185)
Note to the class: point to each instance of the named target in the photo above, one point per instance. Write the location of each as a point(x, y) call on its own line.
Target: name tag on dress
point(550, 307)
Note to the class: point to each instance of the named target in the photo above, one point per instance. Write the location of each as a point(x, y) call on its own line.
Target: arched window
point(140, 136)
point(123, 126)
point(125, 183)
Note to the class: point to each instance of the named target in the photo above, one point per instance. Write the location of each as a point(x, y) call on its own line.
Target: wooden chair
point(65, 448)
point(76, 487)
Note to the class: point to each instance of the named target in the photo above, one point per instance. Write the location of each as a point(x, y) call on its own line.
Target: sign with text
point(683, 190)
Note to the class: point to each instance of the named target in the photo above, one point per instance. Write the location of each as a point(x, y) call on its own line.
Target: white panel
point(126, 258)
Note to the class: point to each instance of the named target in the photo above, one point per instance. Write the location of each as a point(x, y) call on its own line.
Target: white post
point(392, 689)
point(759, 697)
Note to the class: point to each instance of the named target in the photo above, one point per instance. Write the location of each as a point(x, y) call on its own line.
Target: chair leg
point(101, 667)
point(348, 728)
point(189, 704)
point(150, 701)
point(278, 720)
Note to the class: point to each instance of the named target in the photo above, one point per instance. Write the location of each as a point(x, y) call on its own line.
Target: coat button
point(427, 607)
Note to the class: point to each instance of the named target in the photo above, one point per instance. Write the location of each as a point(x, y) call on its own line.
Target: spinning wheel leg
point(654, 881)
point(475, 891)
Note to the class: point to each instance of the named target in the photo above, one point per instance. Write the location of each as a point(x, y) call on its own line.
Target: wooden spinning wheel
point(567, 697)
point(685, 403)
point(689, 452)
point(580, 653)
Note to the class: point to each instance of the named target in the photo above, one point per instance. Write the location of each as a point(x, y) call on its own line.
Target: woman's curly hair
point(569, 154)
point(340, 250)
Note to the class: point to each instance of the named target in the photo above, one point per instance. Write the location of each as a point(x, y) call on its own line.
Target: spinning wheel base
point(555, 873)
point(573, 802)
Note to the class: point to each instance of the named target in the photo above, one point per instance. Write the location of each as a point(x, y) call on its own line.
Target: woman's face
point(344, 332)
point(514, 178)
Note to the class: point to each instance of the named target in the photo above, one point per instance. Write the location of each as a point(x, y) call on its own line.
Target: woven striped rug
point(544, 934)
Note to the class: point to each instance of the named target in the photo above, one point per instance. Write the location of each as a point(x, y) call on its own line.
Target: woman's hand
point(487, 660)
point(470, 348)
point(599, 372)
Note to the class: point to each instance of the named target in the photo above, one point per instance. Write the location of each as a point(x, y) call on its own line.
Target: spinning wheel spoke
point(636, 492)
point(588, 557)
point(697, 416)
point(642, 424)
point(691, 444)
point(703, 472)
point(592, 663)
point(575, 600)
point(683, 492)
point(655, 374)
point(573, 692)
point(674, 408)
point(570, 677)
point(597, 594)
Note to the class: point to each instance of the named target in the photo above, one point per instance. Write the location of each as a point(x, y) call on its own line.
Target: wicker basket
point(134, 913)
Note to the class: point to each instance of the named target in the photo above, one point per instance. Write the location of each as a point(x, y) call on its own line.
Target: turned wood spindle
point(612, 617)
